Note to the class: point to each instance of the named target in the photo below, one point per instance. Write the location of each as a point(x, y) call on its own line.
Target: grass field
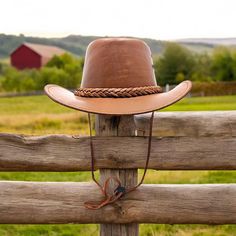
point(38, 115)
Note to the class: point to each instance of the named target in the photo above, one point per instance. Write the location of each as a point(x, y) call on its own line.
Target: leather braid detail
point(117, 92)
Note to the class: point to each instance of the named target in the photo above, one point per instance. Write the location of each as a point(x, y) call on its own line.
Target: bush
point(63, 70)
point(71, 65)
point(213, 88)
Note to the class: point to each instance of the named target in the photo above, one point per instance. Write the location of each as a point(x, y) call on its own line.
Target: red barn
point(29, 55)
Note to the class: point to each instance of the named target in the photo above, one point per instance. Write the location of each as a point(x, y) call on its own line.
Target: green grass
point(39, 115)
point(219, 103)
point(31, 105)
point(42, 104)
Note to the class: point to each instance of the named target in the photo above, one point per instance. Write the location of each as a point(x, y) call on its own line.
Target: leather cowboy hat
point(118, 79)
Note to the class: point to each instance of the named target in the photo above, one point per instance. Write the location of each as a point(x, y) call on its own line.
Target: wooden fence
point(183, 141)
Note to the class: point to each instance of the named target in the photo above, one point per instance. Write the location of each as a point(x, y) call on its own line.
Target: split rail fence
point(182, 141)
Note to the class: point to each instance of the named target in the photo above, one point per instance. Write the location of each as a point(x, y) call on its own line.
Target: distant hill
point(73, 44)
point(210, 41)
point(77, 44)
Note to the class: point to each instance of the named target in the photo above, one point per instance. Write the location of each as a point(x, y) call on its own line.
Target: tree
point(202, 69)
point(69, 64)
point(52, 76)
point(175, 60)
point(223, 64)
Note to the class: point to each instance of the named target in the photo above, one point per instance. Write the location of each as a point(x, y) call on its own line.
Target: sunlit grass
point(32, 124)
point(43, 105)
point(37, 115)
point(189, 177)
point(217, 103)
point(187, 230)
point(49, 230)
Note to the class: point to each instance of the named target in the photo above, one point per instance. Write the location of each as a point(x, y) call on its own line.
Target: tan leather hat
point(118, 79)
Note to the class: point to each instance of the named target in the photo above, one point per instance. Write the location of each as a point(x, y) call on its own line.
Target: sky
point(157, 19)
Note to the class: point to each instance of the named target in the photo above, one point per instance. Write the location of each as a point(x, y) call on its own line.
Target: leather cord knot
point(120, 189)
point(108, 198)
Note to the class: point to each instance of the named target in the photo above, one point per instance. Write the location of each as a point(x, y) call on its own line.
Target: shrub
point(64, 70)
point(213, 88)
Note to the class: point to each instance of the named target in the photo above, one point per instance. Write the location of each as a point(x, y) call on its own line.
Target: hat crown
point(118, 63)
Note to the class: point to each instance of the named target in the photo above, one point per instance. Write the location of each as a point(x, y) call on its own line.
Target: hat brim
point(118, 106)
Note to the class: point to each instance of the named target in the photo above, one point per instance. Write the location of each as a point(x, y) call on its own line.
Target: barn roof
point(44, 50)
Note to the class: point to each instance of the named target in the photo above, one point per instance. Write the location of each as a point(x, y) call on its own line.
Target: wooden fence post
point(117, 126)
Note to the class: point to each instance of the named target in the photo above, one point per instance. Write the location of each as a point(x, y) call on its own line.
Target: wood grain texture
point(49, 203)
point(65, 153)
point(117, 126)
point(189, 124)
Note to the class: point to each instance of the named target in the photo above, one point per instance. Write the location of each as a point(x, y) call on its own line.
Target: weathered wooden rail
point(189, 124)
point(44, 203)
point(66, 153)
point(184, 141)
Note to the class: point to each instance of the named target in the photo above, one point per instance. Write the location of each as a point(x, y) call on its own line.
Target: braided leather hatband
point(117, 92)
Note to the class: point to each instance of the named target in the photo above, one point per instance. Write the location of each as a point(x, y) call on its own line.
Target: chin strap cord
point(119, 189)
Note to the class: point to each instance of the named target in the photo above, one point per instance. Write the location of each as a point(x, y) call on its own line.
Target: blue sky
point(159, 19)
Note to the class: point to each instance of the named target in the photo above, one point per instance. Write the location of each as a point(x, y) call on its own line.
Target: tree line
point(64, 70)
point(176, 64)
